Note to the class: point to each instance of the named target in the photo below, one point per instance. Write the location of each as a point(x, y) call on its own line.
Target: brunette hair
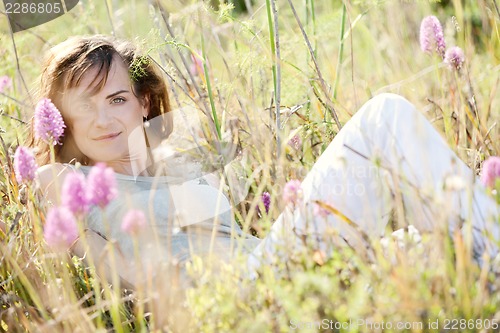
point(66, 64)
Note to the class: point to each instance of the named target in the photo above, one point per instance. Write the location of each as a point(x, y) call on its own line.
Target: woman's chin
point(110, 157)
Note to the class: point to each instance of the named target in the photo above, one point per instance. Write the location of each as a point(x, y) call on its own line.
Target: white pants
point(388, 150)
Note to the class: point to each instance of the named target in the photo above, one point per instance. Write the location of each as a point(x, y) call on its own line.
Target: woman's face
point(107, 126)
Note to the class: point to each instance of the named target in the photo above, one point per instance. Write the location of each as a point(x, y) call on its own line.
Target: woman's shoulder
point(47, 172)
point(51, 176)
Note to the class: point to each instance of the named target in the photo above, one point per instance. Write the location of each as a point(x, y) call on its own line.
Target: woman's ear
point(146, 105)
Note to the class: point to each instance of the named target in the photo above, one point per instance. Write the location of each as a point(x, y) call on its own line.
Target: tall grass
point(420, 282)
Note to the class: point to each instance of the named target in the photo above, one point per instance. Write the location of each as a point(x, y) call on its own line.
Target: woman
point(108, 94)
point(109, 98)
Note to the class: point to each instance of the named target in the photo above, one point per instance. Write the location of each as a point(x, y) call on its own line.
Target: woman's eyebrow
point(116, 93)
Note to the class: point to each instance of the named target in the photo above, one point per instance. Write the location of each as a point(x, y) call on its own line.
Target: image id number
point(460, 324)
point(32, 8)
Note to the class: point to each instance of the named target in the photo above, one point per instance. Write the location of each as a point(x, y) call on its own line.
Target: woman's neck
point(130, 168)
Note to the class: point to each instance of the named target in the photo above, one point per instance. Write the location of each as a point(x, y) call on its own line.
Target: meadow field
point(283, 77)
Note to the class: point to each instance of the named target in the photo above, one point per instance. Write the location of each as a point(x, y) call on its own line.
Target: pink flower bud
point(454, 57)
point(266, 200)
point(292, 193)
point(5, 83)
point(74, 195)
point(491, 171)
point(295, 142)
point(101, 185)
point(319, 211)
point(133, 222)
point(49, 125)
point(60, 230)
point(24, 165)
point(431, 36)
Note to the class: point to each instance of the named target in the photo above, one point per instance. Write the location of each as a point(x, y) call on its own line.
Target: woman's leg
point(388, 150)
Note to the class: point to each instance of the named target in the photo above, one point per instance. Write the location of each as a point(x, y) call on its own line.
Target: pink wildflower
point(24, 165)
point(454, 57)
point(266, 200)
point(49, 124)
point(295, 142)
point(431, 36)
point(73, 193)
point(60, 229)
point(101, 185)
point(196, 67)
point(319, 211)
point(491, 171)
point(292, 192)
point(133, 222)
point(5, 83)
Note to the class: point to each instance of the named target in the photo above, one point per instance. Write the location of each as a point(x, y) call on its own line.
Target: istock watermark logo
point(26, 14)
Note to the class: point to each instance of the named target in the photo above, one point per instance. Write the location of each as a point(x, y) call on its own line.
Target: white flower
point(454, 183)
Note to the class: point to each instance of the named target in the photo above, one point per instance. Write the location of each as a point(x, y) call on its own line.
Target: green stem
point(209, 89)
point(108, 11)
point(113, 291)
point(274, 41)
point(341, 52)
point(310, 11)
point(95, 280)
point(271, 39)
point(54, 171)
point(25, 282)
point(140, 286)
point(325, 89)
point(313, 19)
point(496, 7)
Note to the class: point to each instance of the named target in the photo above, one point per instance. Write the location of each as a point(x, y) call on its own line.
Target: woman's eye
point(117, 100)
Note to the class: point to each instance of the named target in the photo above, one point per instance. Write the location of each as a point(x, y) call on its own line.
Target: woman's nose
point(103, 118)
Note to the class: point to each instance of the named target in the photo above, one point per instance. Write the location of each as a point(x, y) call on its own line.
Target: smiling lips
point(107, 136)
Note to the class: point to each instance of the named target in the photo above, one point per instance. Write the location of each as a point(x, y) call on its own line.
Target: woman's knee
point(387, 108)
point(393, 98)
